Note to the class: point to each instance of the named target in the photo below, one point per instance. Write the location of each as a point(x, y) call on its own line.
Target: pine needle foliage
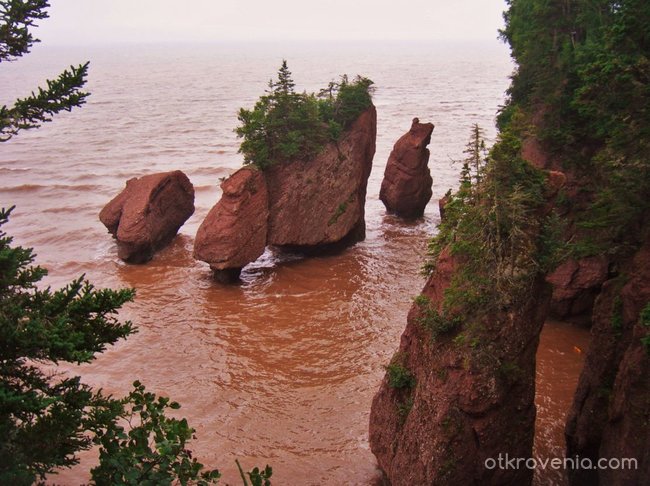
point(491, 225)
point(584, 74)
point(61, 94)
point(285, 126)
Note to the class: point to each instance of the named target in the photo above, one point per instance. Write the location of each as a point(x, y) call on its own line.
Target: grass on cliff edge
point(284, 126)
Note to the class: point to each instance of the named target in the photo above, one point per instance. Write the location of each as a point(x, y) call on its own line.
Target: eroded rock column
point(234, 232)
point(406, 188)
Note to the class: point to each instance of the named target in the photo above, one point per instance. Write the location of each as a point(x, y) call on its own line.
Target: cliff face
point(406, 188)
point(322, 201)
point(471, 399)
point(611, 409)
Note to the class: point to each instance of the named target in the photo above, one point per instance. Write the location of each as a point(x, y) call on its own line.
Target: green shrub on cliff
point(583, 76)
point(284, 126)
point(491, 225)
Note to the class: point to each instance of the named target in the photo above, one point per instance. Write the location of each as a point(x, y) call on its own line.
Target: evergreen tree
point(42, 418)
point(285, 126)
point(284, 85)
point(61, 94)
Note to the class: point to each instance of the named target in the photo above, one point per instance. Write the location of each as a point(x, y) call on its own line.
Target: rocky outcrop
point(234, 232)
point(147, 214)
point(320, 202)
point(307, 205)
point(471, 397)
point(611, 409)
point(576, 283)
point(406, 188)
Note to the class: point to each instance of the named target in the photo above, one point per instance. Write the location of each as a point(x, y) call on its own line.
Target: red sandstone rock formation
point(308, 205)
point(147, 214)
point(575, 286)
point(406, 188)
point(468, 403)
point(234, 232)
point(320, 202)
point(611, 408)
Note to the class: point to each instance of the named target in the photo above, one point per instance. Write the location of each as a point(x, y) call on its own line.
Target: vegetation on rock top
point(285, 126)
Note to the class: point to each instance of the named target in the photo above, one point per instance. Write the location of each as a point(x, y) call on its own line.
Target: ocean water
point(282, 368)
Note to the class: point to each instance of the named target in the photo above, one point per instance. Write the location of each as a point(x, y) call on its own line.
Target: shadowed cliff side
point(611, 409)
point(471, 396)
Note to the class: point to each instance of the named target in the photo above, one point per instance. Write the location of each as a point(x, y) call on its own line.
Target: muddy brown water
point(280, 369)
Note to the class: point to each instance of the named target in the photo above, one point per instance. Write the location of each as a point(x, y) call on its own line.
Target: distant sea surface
point(282, 368)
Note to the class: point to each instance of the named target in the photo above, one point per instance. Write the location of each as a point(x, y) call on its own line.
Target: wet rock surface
point(234, 232)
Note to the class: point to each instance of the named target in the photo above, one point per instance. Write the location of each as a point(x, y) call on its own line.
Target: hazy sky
point(109, 21)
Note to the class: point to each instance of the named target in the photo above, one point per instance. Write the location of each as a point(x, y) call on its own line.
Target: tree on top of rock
point(284, 85)
point(285, 126)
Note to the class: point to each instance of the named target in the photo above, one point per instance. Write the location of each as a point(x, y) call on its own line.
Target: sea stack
point(233, 233)
point(406, 188)
point(310, 205)
point(148, 213)
point(321, 202)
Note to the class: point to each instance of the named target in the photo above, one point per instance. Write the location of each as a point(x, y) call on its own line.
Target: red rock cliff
point(472, 400)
